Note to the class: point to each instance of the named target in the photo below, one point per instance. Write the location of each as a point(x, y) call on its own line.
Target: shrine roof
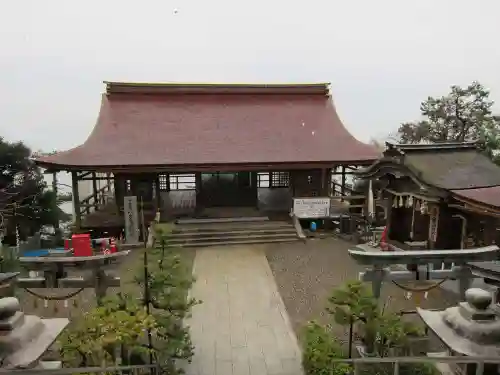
point(460, 168)
point(488, 195)
point(205, 124)
point(454, 169)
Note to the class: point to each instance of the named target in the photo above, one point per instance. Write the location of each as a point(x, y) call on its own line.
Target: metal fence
point(122, 370)
point(358, 366)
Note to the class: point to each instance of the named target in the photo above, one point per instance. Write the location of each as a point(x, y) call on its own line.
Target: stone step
point(237, 242)
point(250, 219)
point(240, 231)
point(223, 238)
point(226, 227)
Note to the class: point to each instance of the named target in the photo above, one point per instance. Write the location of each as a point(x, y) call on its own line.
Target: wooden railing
point(89, 202)
point(118, 370)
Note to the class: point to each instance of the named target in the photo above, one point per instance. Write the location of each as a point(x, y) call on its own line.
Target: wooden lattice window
point(263, 180)
point(182, 181)
point(163, 182)
point(280, 179)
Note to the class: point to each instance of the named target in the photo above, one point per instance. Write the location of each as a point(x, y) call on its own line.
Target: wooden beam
point(183, 168)
point(81, 175)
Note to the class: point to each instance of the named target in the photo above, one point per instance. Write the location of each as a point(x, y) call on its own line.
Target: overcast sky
point(382, 57)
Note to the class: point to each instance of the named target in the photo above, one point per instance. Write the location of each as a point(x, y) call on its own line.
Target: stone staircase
point(230, 231)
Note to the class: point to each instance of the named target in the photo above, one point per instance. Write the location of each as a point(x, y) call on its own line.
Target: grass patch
point(165, 228)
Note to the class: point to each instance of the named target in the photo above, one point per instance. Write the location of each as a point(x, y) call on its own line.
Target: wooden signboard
point(311, 208)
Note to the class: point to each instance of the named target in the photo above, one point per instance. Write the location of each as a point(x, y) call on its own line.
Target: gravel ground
point(306, 274)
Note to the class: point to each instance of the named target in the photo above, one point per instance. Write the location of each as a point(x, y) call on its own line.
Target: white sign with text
point(311, 208)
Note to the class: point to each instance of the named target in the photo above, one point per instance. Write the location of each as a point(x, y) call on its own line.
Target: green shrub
point(382, 332)
point(320, 350)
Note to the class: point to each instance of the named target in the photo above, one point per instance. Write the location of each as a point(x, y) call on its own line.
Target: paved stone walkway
point(242, 327)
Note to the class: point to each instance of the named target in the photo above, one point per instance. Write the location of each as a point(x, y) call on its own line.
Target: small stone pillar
point(24, 338)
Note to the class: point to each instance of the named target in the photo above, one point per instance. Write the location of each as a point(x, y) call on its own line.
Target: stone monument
point(470, 329)
point(23, 338)
point(131, 220)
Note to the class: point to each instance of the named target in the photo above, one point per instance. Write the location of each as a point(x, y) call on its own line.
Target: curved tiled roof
point(487, 195)
point(169, 125)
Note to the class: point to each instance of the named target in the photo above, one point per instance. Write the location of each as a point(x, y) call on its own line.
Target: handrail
point(82, 370)
point(397, 361)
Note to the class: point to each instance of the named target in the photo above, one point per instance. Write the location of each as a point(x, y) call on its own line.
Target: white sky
point(382, 57)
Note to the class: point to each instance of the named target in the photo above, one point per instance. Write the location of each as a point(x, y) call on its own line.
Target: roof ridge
point(402, 147)
point(216, 88)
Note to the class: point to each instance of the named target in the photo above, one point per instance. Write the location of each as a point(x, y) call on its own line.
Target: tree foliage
point(94, 338)
point(120, 325)
point(382, 332)
point(464, 114)
point(169, 281)
point(24, 198)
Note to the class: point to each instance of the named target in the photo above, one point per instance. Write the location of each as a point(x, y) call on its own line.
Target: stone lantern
point(470, 329)
point(23, 338)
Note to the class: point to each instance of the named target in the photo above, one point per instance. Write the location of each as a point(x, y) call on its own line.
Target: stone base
point(49, 365)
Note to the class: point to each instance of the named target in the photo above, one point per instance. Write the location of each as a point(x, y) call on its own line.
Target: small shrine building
point(438, 196)
point(185, 148)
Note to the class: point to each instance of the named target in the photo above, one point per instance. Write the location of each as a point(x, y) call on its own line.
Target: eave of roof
point(488, 196)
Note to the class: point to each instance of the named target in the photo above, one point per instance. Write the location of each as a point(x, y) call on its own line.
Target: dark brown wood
point(343, 183)
point(323, 182)
point(158, 193)
point(54, 189)
point(94, 191)
point(108, 177)
point(76, 200)
point(191, 168)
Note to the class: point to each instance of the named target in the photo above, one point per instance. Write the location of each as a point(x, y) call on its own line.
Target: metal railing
point(356, 364)
point(128, 370)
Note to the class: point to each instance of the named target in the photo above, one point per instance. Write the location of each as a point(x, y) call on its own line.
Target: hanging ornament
point(401, 202)
point(45, 303)
point(417, 205)
point(424, 209)
point(395, 202)
point(410, 201)
point(65, 303)
point(75, 303)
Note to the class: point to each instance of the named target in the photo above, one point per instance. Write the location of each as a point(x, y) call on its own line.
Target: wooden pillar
point(323, 182)
point(158, 193)
point(54, 189)
point(388, 210)
point(94, 191)
point(342, 185)
point(253, 184)
point(76, 200)
point(198, 187)
point(108, 178)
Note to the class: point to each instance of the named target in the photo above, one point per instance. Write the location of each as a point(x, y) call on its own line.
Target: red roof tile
point(221, 124)
point(488, 195)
